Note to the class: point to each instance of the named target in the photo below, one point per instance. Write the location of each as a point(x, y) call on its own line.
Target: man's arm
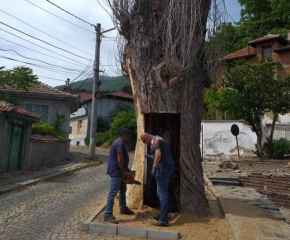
point(157, 157)
point(121, 163)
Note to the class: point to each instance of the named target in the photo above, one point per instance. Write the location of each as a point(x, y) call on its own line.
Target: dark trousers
point(163, 177)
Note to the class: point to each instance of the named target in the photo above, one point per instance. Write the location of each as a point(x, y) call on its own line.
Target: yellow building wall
point(75, 135)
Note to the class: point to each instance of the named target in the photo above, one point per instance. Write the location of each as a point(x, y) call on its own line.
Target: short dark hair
point(125, 132)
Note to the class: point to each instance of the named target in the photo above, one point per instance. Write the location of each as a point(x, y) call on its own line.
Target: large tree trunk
point(158, 87)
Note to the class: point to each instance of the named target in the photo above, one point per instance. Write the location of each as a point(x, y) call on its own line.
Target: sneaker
point(127, 211)
point(156, 217)
point(111, 219)
point(161, 224)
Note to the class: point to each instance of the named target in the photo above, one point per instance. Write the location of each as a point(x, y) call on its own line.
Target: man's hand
point(153, 171)
point(123, 175)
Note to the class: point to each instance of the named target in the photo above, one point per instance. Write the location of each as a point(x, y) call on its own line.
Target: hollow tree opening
point(162, 49)
point(166, 125)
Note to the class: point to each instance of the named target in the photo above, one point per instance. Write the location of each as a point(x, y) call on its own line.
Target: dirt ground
point(190, 227)
point(213, 168)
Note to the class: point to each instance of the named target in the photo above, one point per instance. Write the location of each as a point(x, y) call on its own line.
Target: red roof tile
point(85, 96)
point(9, 108)
point(268, 38)
point(121, 94)
point(38, 89)
point(246, 52)
point(287, 47)
point(88, 96)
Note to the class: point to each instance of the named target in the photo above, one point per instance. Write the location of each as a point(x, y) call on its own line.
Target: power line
point(45, 32)
point(42, 47)
point(87, 78)
point(10, 50)
point(44, 41)
point(92, 25)
point(39, 52)
point(55, 79)
point(37, 65)
point(59, 17)
point(82, 73)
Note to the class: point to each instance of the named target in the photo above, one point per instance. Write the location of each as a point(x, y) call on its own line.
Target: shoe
point(127, 211)
point(111, 219)
point(156, 217)
point(161, 224)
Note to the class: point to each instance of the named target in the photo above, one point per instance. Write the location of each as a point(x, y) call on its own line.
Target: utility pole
point(94, 117)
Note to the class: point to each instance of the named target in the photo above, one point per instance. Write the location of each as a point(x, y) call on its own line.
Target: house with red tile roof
point(80, 121)
point(19, 149)
point(45, 101)
point(271, 46)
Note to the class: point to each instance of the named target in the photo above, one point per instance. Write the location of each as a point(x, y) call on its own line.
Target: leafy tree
point(19, 77)
point(102, 125)
point(119, 108)
point(258, 18)
point(265, 16)
point(211, 104)
point(127, 88)
point(251, 91)
point(124, 120)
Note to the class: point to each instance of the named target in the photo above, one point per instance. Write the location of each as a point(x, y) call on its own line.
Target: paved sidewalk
point(251, 216)
point(17, 180)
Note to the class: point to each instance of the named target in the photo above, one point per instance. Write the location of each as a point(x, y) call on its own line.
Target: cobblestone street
point(54, 209)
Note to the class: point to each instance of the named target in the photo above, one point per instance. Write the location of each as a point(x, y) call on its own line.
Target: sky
point(79, 40)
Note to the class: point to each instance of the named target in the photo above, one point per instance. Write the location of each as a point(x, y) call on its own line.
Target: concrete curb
point(227, 216)
point(113, 229)
point(34, 181)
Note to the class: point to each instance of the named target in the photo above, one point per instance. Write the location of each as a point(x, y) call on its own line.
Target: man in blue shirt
point(117, 167)
point(163, 169)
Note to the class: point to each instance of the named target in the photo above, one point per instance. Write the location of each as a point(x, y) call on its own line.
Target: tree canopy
point(19, 77)
point(258, 18)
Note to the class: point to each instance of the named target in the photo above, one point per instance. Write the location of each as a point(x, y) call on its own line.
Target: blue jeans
point(116, 185)
point(163, 177)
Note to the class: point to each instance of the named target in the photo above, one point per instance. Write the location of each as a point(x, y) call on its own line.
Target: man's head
point(146, 138)
point(125, 135)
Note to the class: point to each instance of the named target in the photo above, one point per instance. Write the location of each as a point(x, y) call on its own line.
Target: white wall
point(218, 140)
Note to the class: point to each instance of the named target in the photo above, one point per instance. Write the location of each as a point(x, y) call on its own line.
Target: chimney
point(67, 87)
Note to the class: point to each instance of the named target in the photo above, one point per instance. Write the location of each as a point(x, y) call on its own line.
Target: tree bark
point(155, 95)
point(273, 126)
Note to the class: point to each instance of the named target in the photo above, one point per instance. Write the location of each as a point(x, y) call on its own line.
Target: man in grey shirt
point(163, 169)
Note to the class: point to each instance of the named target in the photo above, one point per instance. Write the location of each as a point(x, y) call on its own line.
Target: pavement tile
point(251, 219)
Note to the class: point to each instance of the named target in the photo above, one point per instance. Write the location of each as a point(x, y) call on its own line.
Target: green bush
point(42, 128)
point(124, 120)
point(277, 148)
point(102, 125)
point(101, 138)
point(118, 109)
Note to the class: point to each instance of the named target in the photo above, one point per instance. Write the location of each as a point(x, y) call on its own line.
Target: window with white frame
point(38, 109)
point(80, 125)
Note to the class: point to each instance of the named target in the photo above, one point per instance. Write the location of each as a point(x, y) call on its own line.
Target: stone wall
point(217, 140)
point(43, 152)
point(278, 186)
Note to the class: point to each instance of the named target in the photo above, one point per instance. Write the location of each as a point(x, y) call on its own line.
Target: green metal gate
point(14, 147)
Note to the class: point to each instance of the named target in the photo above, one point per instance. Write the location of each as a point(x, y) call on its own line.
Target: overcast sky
point(74, 39)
